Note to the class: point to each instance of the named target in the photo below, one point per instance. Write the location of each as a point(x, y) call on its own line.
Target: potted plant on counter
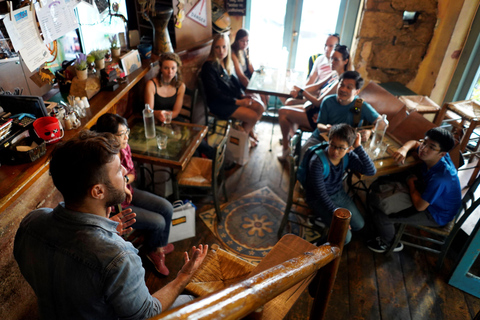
point(99, 55)
point(114, 46)
point(81, 66)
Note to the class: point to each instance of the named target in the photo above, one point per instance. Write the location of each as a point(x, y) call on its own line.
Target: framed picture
point(130, 61)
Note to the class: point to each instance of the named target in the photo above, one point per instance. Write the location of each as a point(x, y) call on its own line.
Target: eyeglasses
point(424, 144)
point(334, 147)
point(123, 133)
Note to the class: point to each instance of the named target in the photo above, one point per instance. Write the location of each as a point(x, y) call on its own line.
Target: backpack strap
point(326, 164)
point(357, 111)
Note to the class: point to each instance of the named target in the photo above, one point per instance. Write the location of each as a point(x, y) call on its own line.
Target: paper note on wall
point(56, 18)
point(33, 51)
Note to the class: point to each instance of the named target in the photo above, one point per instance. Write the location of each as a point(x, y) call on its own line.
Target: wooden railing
point(245, 297)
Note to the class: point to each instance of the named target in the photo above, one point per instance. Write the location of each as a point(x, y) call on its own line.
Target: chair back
point(202, 93)
point(189, 103)
point(412, 127)
point(381, 100)
point(220, 151)
point(311, 62)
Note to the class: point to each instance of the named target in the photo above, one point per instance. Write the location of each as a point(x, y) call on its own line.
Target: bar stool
point(465, 116)
point(421, 104)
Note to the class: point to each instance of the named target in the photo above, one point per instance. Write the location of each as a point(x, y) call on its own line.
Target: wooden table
point(384, 163)
point(270, 81)
point(275, 82)
point(183, 140)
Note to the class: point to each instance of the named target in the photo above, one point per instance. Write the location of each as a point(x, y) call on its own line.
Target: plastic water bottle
point(378, 134)
point(149, 122)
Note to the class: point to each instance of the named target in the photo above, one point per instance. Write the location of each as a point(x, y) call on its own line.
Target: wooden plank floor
point(368, 285)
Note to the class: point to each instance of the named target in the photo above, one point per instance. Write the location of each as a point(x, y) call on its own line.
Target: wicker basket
point(219, 270)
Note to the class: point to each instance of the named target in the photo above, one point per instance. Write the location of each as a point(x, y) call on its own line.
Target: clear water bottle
point(378, 134)
point(149, 122)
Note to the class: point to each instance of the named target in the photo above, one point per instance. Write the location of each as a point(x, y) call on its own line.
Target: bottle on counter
point(149, 122)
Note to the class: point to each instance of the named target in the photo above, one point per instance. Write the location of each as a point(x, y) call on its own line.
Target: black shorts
point(310, 113)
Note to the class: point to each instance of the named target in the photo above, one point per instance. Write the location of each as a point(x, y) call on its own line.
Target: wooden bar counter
point(26, 187)
point(15, 179)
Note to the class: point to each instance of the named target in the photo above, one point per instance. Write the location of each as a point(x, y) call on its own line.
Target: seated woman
point(154, 214)
point(291, 117)
point(241, 61)
point(166, 91)
point(241, 57)
point(225, 96)
point(321, 69)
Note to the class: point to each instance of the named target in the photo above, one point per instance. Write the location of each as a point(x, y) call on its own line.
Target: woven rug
point(249, 224)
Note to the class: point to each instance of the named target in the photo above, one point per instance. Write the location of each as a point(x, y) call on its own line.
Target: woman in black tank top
point(166, 91)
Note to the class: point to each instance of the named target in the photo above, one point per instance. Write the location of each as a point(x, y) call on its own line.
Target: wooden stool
point(219, 270)
point(463, 115)
point(421, 104)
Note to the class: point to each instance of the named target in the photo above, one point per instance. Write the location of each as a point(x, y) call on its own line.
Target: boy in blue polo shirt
point(325, 193)
point(438, 202)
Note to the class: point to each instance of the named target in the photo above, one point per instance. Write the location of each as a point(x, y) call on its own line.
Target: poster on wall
point(199, 13)
point(236, 7)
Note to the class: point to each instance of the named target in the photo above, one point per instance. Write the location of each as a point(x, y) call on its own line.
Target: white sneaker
point(282, 156)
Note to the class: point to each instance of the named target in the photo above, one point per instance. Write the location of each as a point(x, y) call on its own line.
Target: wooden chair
point(207, 173)
point(464, 116)
point(412, 127)
point(296, 197)
point(189, 103)
point(421, 104)
point(381, 100)
point(274, 286)
point(442, 236)
point(215, 121)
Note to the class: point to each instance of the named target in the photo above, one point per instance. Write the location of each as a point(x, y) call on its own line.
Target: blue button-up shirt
point(80, 268)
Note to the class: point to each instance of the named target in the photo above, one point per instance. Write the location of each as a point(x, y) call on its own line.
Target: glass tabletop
point(275, 81)
point(181, 138)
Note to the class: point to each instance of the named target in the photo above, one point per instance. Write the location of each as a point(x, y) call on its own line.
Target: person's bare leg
point(248, 116)
point(289, 119)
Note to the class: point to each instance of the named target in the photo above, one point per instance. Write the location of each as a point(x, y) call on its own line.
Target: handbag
point(183, 221)
point(389, 196)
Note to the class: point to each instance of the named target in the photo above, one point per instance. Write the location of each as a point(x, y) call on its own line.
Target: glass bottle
point(149, 122)
point(378, 134)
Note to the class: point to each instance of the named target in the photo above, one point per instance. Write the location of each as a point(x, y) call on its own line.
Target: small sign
point(236, 7)
point(199, 13)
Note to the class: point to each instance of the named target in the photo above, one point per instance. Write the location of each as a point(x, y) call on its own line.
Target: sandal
point(254, 135)
point(253, 142)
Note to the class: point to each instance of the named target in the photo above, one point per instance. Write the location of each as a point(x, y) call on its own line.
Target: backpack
point(319, 149)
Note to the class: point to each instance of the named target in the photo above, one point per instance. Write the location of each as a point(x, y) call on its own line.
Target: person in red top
point(154, 213)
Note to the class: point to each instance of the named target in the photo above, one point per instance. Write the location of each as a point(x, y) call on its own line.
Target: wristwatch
point(300, 94)
point(127, 179)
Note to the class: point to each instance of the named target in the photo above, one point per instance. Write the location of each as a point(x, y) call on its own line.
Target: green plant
point(99, 54)
point(81, 62)
point(114, 43)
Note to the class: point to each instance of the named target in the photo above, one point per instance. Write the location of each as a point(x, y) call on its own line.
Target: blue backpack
point(318, 149)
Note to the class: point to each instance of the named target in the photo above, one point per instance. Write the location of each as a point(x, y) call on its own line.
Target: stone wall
point(386, 49)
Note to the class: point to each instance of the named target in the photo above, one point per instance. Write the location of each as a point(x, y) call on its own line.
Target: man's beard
point(115, 196)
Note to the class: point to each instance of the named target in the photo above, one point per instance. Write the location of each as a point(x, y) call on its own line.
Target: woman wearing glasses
point(154, 213)
point(292, 117)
